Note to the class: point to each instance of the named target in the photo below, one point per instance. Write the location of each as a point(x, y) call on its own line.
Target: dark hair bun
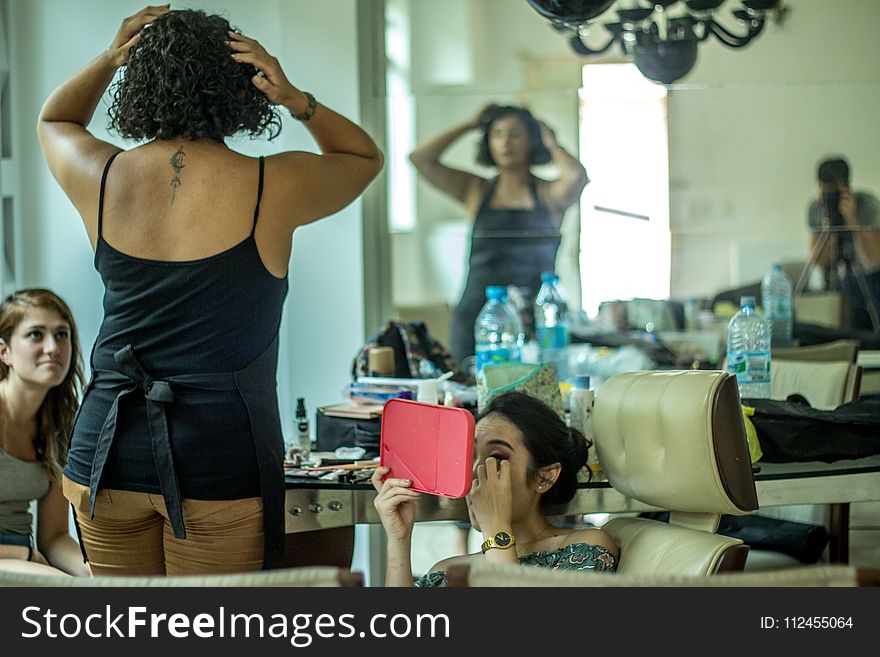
point(547, 439)
point(580, 448)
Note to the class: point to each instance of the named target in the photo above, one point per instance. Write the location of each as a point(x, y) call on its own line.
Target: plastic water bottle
point(551, 323)
point(748, 351)
point(581, 415)
point(498, 331)
point(776, 300)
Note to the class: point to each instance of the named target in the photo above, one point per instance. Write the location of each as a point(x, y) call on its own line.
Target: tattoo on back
point(176, 164)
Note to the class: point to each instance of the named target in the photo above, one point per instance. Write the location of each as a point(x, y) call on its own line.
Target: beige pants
point(131, 534)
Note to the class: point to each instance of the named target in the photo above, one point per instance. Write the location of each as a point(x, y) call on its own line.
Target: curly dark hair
point(547, 439)
point(538, 154)
point(181, 81)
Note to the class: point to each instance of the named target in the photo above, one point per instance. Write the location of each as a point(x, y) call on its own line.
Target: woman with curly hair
point(40, 379)
point(526, 461)
point(516, 216)
point(175, 462)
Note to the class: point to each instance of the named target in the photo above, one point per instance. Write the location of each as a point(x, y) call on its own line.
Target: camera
point(831, 206)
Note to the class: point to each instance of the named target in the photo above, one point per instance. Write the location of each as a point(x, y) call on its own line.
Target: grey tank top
point(20, 483)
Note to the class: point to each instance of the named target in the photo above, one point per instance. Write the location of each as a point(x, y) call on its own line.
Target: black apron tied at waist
point(129, 378)
point(508, 246)
point(256, 384)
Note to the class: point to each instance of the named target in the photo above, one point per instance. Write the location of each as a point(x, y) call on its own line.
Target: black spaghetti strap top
point(508, 246)
point(186, 350)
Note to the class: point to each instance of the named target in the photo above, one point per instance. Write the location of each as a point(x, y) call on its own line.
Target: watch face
point(502, 539)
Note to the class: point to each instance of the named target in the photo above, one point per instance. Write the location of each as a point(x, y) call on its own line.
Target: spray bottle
point(303, 439)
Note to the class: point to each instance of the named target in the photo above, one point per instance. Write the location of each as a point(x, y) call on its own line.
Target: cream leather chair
point(312, 576)
point(485, 574)
point(676, 441)
point(826, 385)
point(836, 350)
point(826, 375)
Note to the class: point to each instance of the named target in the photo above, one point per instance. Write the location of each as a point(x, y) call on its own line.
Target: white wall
point(746, 128)
point(316, 43)
point(466, 54)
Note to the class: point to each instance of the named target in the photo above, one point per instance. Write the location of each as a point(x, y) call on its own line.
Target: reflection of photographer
point(851, 220)
point(830, 203)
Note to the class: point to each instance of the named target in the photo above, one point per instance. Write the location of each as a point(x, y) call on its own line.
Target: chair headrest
point(823, 384)
point(308, 576)
point(486, 573)
point(676, 440)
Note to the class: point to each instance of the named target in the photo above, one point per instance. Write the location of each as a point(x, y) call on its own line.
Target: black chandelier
point(661, 36)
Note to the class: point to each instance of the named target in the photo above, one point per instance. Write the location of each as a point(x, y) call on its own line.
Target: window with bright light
point(401, 117)
point(625, 238)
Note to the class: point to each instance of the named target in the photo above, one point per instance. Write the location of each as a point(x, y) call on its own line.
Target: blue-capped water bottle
point(498, 331)
point(776, 302)
point(551, 323)
point(748, 351)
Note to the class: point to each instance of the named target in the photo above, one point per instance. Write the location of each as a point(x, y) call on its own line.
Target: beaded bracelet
point(310, 110)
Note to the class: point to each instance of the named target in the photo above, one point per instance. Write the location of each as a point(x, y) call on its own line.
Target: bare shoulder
point(285, 166)
point(291, 158)
point(302, 187)
point(593, 537)
point(458, 560)
point(563, 192)
point(545, 188)
point(476, 190)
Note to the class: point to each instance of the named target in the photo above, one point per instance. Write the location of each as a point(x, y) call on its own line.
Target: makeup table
point(316, 505)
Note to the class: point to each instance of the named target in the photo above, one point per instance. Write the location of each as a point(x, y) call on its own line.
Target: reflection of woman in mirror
point(516, 215)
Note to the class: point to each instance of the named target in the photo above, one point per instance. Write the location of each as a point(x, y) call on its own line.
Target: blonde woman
point(40, 376)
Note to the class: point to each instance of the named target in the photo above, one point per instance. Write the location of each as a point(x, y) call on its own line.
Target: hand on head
point(130, 32)
point(270, 79)
point(483, 115)
point(491, 495)
point(395, 504)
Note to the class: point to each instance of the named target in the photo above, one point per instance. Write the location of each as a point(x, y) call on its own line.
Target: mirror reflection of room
point(697, 187)
point(682, 215)
point(516, 216)
point(619, 213)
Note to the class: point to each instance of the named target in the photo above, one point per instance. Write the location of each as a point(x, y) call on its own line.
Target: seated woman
point(40, 373)
point(526, 460)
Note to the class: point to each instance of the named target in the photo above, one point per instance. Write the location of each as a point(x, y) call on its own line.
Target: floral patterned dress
point(577, 556)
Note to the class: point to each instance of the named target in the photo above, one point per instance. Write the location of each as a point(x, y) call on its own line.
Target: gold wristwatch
point(501, 540)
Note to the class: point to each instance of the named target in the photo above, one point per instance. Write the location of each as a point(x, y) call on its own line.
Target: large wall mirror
point(696, 187)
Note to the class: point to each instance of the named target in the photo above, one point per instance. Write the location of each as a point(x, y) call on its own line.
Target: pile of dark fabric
point(802, 541)
point(791, 430)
